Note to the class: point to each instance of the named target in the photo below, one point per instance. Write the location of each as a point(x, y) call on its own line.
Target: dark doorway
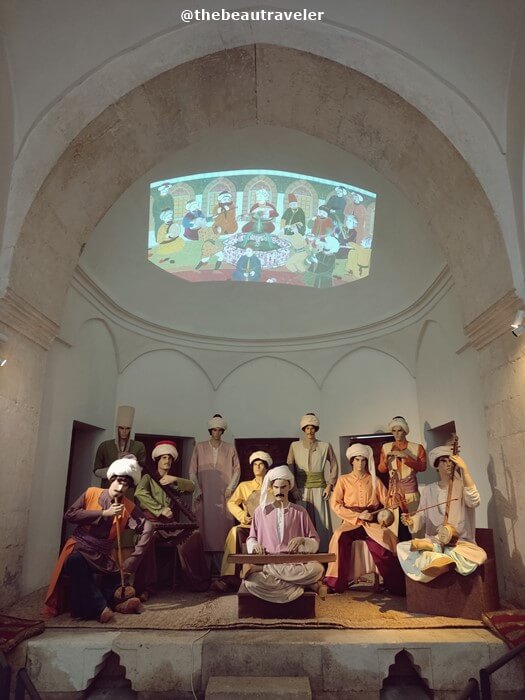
point(277, 448)
point(84, 442)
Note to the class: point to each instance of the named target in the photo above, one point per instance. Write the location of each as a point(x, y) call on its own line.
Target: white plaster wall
point(449, 389)
point(362, 393)
point(80, 385)
point(266, 398)
point(170, 392)
point(479, 37)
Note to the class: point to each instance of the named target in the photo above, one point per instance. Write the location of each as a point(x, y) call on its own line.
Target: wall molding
point(22, 317)
point(95, 295)
point(494, 321)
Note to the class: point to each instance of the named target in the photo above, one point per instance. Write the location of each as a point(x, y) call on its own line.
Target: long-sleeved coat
point(211, 482)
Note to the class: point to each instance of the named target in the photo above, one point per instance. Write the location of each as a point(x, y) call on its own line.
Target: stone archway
point(231, 89)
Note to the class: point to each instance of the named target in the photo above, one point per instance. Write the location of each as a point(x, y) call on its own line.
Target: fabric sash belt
point(99, 545)
point(315, 480)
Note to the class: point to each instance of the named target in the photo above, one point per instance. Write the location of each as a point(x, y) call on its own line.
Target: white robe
point(466, 556)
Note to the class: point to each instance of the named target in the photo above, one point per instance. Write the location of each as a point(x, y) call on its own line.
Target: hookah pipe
point(123, 592)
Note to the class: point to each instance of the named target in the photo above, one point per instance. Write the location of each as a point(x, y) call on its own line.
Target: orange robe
point(353, 492)
point(54, 602)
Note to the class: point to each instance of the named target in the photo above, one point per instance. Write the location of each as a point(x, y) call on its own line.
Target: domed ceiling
point(405, 259)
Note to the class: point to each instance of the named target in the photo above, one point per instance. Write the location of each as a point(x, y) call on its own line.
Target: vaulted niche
point(261, 226)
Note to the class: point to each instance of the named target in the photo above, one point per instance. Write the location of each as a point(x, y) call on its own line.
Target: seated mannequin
point(89, 550)
point(157, 507)
point(242, 504)
point(355, 497)
point(425, 559)
point(280, 527)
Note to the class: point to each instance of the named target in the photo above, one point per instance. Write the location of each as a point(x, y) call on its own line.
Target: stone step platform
point(258, 688)
point(340, 664)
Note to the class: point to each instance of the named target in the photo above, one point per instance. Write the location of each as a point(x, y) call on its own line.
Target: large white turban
point(261, 455)
point(359, 450)
point(165, 447)
point(125, 466)
point(282, 472)
point(437, 452)
point(399, 421)
point(217, 422)
point(309, 419)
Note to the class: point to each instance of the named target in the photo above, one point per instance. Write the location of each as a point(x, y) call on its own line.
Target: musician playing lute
point(427, 558)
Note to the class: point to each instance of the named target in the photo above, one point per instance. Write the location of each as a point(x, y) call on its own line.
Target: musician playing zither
point(89, 550)
point(425, 559)
point(280, 527)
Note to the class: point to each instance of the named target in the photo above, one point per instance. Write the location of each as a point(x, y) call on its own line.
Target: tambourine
point(447, 535)
point(385, 517)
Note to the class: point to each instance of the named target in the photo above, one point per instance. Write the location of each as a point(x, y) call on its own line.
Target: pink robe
point(282, 583)
point(212, 481)
point(297, 523)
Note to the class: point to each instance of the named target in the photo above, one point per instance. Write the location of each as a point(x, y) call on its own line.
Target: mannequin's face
point(359, 464)
point(118, 487)
point(280, 490)
point(216, 433)
point(444, 468)
point(398, 433)
point(123, 432)
point(310, 432)
point(164, 464)
point(259, 468)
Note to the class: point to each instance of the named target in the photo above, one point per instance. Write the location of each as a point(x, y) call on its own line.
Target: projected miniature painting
point(261, 226)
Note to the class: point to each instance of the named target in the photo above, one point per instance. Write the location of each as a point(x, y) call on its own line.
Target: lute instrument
point(447, 535)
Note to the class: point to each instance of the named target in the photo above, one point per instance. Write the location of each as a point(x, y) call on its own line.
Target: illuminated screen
point(261, 226)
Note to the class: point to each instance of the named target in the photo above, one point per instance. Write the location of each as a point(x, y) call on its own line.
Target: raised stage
point(183, 640)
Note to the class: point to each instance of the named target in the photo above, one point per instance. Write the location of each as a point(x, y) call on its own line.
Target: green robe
point(108, 452)
point(151, 496)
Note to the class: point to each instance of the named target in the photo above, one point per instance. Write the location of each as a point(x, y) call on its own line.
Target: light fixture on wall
point(518, 325)
point(3, 339)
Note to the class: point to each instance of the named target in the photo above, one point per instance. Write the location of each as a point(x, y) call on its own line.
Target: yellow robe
point(237, 507)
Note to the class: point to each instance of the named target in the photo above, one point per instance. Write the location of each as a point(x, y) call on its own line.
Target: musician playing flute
point(356, 499)
point(281, 527)
point(426, 559)
point(152, 495)
point(89, 550)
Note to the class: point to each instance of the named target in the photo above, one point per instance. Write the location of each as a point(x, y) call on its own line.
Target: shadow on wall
point(502, 514)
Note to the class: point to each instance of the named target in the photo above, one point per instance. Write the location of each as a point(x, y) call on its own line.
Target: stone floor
point(151, 665)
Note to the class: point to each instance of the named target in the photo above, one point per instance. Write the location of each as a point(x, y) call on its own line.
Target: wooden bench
point(454, 595)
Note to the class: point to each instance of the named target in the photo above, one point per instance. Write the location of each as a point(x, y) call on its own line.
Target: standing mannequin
point(215, 471)
point(402, 460)
point(308, 459)
point(110, 450)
